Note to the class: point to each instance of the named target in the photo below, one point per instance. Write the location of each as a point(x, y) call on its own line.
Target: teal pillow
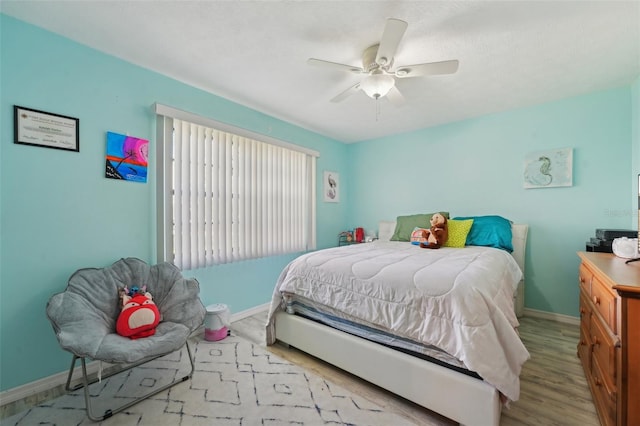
point(406, 224)
point(490, 231)
point(458, 231)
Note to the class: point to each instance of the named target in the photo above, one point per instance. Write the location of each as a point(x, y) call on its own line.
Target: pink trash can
point(216, 322)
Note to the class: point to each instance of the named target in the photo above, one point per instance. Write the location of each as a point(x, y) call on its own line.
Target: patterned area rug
point(235, 383)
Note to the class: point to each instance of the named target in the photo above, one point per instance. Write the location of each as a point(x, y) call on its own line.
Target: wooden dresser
point(609, 346)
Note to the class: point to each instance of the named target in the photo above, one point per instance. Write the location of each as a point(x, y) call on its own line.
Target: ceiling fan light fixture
point(377, 85)
point(378, 78)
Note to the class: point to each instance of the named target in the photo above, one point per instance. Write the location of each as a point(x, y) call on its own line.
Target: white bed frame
point(462, 398)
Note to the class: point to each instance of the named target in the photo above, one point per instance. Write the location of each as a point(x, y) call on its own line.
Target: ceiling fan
point(377, 61)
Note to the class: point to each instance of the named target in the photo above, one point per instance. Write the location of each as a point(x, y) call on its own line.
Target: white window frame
point(165, 116)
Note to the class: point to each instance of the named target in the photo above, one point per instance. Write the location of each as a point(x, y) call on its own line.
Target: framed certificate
point(39, 128)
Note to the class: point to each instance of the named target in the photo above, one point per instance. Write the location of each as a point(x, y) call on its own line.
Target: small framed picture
point(39, 128)
point(127, 158)
point(331, 187)
point(548, 169)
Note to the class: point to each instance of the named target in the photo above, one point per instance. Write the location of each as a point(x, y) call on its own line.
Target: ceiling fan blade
point(334, 65)
point(344, 95)
point(432, 68)
point(393, 32)
point(395, 97)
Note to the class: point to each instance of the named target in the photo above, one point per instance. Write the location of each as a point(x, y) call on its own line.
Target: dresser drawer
point(585, 312)
point(604, 300)
point(584, 277)
point(604, 396)
point(584, 348)
point(604, 350)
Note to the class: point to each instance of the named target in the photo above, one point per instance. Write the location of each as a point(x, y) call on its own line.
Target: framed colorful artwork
point(126, 158)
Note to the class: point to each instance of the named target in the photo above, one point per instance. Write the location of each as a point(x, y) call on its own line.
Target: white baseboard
point(249, 312)
point(46, 384)
point(566, 319)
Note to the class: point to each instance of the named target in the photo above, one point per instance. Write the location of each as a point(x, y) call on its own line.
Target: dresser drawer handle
point(596, 300)
point(595, 341)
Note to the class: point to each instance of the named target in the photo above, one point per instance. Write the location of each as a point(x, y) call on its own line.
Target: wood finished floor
point(553, 389)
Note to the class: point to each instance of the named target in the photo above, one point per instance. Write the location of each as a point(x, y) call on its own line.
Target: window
point(226, 194)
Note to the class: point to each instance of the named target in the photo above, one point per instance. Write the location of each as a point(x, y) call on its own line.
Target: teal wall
point(475, 167)
point(58, 211)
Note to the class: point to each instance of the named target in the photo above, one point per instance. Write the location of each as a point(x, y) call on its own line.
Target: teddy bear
point(437, 235)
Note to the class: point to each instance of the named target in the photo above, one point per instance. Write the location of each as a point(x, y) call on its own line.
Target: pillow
point(385, 230)
point(490, 231)
point(406, 224)
point(458, 231)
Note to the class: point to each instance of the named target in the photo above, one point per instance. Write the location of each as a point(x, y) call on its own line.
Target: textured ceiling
point(512, 54)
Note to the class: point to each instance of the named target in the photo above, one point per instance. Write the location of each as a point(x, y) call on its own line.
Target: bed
point(437, 327)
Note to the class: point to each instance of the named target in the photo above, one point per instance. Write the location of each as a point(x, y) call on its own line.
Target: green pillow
point(406, 224)
point(458, 231)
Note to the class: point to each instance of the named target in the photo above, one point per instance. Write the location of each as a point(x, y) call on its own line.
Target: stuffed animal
point(139, 316)
point(437, 235)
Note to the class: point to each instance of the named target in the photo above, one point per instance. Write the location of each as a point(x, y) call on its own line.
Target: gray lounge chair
point(84, 320)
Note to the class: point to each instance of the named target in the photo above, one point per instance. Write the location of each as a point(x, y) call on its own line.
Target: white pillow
point(386, 229)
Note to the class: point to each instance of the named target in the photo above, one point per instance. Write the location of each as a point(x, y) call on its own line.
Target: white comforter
point(460, 300)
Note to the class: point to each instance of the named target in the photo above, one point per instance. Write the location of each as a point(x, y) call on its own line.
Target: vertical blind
point(235, 197)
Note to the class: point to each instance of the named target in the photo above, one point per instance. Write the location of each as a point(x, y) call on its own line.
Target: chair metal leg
point(110, 412)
